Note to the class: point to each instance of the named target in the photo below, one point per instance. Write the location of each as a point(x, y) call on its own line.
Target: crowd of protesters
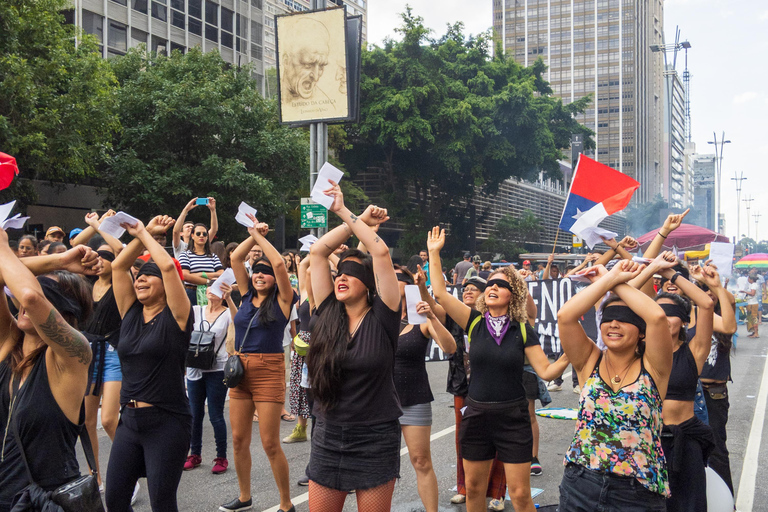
point(105, 329)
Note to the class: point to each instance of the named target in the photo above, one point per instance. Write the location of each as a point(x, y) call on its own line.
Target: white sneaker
point(554, 387)
point(135, 493)
point(496, 505)
point(577, 389)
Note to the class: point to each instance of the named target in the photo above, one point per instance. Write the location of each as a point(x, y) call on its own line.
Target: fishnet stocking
point(324, 499)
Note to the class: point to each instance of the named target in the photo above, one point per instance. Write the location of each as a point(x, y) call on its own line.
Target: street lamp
point(719, 171)
point(748, 201)
point(738, 179)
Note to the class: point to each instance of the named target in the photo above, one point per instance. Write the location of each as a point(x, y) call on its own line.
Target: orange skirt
point(263, 380)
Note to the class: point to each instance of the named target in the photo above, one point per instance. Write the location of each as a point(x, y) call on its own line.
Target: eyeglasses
point(201, 234)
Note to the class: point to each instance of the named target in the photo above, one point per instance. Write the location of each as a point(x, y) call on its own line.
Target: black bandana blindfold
point(62, 303)
point(261, 268)
point(676, 310)
point(501, 283)
point(622, 314)
point(149, 269)
point(106, 255)
point(358, 271)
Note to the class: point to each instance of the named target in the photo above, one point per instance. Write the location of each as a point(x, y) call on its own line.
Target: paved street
point(202, 491)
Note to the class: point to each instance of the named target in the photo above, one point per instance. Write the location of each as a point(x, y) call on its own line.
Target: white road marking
point(746, 493)
point(303, 498)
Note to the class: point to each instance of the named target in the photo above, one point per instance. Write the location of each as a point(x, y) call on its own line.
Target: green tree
point(195, 126)
point(443, 118)
point(511, 234)
point(56, 99)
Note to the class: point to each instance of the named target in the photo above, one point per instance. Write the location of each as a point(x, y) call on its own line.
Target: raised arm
point(122, 282)
point(671, 223)
point(457, 310)
point(420, 280)
point(383, 271)
point(550, 259)
point(180, 223)
point(319, 254)
point(643, 282)
point(214, 229)
point(85, 235)
point(285, 292)
point(94, 223)
point(725, 322)
point(435, 329)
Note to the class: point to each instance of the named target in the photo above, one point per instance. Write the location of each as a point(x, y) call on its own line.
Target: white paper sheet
point(15, 222)
point(592, 235)
point(327, 172)
point(306, 242)
point(111, 225)
point(227, 277)
point(242, 210)
point(413, 297)
point(721, 254)
point(5, 210)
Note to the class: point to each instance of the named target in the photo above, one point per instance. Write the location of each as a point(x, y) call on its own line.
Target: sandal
point(287, 417)
point(255, 417)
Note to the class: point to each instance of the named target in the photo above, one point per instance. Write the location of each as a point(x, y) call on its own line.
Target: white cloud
point(745, 97)
point(764, 16)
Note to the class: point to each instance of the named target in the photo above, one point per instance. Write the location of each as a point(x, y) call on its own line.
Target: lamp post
point(757, 219)
point(748, 201)
point(738, 179)
point(718, 173)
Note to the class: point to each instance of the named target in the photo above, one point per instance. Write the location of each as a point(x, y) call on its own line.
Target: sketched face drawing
point(306, 59)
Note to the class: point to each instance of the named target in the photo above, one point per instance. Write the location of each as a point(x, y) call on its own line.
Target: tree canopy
point(444, 116)
point(56, 99)
point(194, 126)
point(511, 234)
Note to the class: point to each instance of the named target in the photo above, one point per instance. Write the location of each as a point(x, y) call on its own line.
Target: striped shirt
point(196, 263)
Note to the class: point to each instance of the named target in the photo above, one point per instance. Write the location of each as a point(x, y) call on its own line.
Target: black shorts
point(531, 385)
point(500, 429)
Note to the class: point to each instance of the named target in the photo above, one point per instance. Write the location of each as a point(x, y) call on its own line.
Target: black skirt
point(356, 457)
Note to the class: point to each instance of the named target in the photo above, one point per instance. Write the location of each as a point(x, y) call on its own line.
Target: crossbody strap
point(224, 340)
point(237, 350)
point(523, 330)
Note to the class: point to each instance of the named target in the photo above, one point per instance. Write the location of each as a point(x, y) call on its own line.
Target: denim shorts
point(112, 370)
point(586, 490)
point(354, 457)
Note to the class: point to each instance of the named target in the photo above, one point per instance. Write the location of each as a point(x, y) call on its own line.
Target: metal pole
point(757, 219)
point(747, 202)
point(738, 180)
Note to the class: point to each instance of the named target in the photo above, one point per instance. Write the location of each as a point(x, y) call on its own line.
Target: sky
point(729, 81)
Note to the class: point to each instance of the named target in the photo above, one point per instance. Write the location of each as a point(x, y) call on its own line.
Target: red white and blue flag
point(597, 191)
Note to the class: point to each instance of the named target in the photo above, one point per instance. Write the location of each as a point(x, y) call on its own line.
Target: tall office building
point(675, 191)
point(602, 48)
point(704, 212)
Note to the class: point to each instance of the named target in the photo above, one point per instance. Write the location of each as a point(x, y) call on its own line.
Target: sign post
point(313, 215)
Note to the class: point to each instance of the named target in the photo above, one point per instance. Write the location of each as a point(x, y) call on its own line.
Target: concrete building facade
point(704, 192)
point(674, 190)
point(599, 48)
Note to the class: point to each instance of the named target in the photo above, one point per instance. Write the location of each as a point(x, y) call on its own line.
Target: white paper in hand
point(242, 212)
point(721, 254)
point(327, 172)
point(5, 210)
point(306, 242)
point(227, 277)
point(111, 225)
point(592, 235)
point(413, 297)
point(15, 222)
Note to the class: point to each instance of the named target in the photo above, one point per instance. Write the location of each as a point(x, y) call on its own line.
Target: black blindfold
point(262, 268)
point(106, 255)
point(358, 271)
point(149, 269)
point(404, 278)
point(676, 310)
point(622, 314)
point(62, 303)
point(501, 283)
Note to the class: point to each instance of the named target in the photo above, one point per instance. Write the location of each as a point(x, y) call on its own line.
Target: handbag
point(201, 353)
point(300, 345)
point(79, 495)
point(233, 369)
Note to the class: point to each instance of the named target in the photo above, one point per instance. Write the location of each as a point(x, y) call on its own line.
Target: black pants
point(686, 464)
point(719, 459)
point(151, 443)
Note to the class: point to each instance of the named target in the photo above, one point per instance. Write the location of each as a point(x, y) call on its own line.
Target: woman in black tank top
point(45, 354)
point(412, 381)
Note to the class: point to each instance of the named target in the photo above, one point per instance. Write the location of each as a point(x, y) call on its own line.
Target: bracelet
point(663, 236)
point(674, 277)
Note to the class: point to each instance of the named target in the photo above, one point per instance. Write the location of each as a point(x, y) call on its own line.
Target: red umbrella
point(8, 170)
point(687, 236)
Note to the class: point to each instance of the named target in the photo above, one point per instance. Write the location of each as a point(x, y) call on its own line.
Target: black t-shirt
point(411, 378)
point(497, 370)
point(457, 373)
point(367, 395)
point(152, 357)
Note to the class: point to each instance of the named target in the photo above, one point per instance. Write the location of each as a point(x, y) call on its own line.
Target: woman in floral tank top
point(615, 460)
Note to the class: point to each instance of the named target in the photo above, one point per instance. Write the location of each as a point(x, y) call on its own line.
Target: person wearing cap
point(460, 270)
point(527, 267)
point(54, 234)
point(154, 432)
point(474, 270)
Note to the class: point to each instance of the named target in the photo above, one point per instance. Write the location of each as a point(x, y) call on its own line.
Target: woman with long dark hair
point(199, 265)
point(495, 419)
point(152, 437)
point(615, 458)
point(43, 368)
point(259, 326)
point(356, 438)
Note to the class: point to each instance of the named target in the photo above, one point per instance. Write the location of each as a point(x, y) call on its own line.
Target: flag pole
point(554, 247)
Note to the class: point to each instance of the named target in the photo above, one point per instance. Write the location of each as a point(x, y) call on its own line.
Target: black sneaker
point(236, 505)
point(303, 481)
point(536, 467)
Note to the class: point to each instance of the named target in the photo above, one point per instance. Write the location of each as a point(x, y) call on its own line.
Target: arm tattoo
point(57, 330)
point(378, 289)
point(376, 239)
point(353, 217)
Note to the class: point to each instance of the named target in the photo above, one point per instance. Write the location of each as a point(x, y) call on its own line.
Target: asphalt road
point(204, 492)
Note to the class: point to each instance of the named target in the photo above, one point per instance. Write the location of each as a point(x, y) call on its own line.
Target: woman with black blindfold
point(43, 369)
point(617, 444)
point(152, 437)
point(259, 326)
point(496, 421)
point(351, 364)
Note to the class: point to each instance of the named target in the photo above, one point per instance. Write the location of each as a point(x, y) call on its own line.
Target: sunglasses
point(201, 234)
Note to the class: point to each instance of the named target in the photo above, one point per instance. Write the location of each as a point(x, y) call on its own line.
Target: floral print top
point(620, 432)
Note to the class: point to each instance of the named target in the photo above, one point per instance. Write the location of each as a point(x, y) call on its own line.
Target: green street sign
point(313, 215)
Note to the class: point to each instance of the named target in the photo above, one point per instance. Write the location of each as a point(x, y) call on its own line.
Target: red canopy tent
point(687, 236)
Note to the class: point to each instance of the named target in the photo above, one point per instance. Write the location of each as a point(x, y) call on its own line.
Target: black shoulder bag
point(233, 370)
point(80, 495)
point(201, 353)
